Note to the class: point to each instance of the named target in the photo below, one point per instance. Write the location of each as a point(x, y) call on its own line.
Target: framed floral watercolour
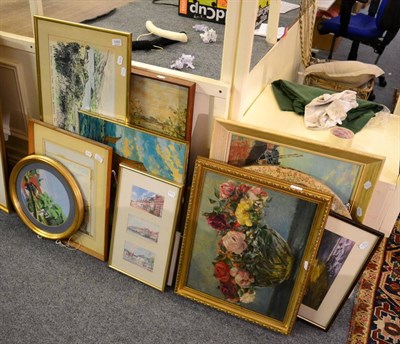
point(345, 250)
point(160, 156)
point(161, 103)
point(90, 164)
point(81, 67)
point(351, 175)
point(247, 242)
point(4, 200)
point(145, 217)
point(46, 197)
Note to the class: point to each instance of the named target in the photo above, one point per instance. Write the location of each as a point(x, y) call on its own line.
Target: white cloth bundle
point(328, 110)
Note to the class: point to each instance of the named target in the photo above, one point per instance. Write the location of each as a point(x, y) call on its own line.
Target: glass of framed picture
point(81, 67)
point(46, 197)
point(161, 103)
point(4, 200)
point(248, 241)
point(344, 251)
point(145, 219)
point(90, 164)
point(350, 174)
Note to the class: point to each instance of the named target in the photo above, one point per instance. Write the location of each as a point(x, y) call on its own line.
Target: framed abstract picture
point(145, 217)
point(90, 164)
point(345, 250)
point(248, 242)
point(351, 175)
point(160, 156)
point(46, 197)
point(81, 67)
point(161, 103)
point(4, 199)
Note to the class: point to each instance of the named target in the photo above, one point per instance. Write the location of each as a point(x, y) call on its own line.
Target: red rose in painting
point(221, 272)
point(227, 189)
point(229, 291)
point(217, 221)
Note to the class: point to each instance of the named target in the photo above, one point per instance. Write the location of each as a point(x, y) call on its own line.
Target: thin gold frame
point(166, 223)
point(120, 43)
point(369, 165)
point(93, 155)
point(75, 216)
point(319, 200)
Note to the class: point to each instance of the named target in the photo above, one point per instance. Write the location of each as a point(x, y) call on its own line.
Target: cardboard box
point(215, 10)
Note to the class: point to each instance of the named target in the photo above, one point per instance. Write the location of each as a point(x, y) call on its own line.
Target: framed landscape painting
point(46, 197)
point(248, 240)
point(351, 175)
point(145, 217)
point(90, 164)
point(160, 156)
point(161, 103)
point(81, 67)
point(345, 250)
point(4, 200)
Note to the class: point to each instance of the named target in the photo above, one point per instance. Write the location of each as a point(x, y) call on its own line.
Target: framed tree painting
point(161, 103)
point(350, 174)
point(90, 164)
point(159, 155)
point(46, 197)
point(248, 241)
point(4, 200)
point(145, 217)
point(81, 67)
point(345, 250)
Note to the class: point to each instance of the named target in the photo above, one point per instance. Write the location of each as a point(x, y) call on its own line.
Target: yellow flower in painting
point(242, 212)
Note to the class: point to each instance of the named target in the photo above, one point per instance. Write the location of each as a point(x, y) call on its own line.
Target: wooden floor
point(15, 14)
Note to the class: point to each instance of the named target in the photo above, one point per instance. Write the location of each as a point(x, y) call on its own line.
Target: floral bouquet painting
point(249, 253)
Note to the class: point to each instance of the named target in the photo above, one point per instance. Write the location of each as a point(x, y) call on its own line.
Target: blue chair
point(376, 29)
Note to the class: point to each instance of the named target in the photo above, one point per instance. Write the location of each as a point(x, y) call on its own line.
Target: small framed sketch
point(159, 155)
point(4, 199)
point(46, 197)
point(161, 103)
point(81, 67)
point(145, 219)
point(345, 250)
point(247, 239)
point(90, 164)
point(350, 174)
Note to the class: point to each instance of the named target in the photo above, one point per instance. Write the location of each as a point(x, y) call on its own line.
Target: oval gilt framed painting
point(46, 197)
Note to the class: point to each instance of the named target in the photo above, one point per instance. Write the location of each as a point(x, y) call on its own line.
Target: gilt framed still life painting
point(161, 103)
point(46, 197)
point(248, 241)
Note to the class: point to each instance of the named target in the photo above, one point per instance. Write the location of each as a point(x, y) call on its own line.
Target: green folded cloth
point(294, 97)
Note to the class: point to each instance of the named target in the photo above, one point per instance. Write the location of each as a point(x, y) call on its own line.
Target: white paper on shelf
point(262, 31)
point(287, 7)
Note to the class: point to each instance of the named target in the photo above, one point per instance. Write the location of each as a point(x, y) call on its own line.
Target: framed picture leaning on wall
point(145, 218)
point(350, 174)
point(4, 198)
point(90, 164)
point(248, 241)
point(345, 250)
point(81, 67)
point(161, 103)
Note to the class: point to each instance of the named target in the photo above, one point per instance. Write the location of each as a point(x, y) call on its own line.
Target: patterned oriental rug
point(376, 311)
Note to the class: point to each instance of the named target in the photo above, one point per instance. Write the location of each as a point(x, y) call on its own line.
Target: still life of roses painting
point(249, 253)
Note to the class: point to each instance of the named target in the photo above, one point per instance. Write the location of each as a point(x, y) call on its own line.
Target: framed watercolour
point(81, 67)
point(4, 200)
point(46, 197)
point(145, 217)
point(161, 103)
point(351, 175)
point(247, 241)
point(90, 164)
point(160, 156)
point(345, 250)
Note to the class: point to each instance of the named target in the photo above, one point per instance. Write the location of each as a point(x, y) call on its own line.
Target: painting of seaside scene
point(143, 228)
point(160, 156)
point(147, 201)
point(139, 256)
